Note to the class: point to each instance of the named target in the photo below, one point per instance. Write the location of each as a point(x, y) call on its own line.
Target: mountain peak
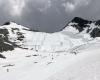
point(79, 23)
point(7, 23)
point(80, 20)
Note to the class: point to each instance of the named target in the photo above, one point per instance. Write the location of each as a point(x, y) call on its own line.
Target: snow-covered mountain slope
point(77, 32)
point(22, 37)
point(84, 27)
point(38, 41)
point(29, 65)
point(84, 66)
point(30, 55)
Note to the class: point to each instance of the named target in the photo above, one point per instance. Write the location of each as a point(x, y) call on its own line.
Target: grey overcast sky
point(47, 15)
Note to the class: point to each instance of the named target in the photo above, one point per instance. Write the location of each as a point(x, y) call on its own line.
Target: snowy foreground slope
point(70, 54)
point(85, 66)
point(25, 65)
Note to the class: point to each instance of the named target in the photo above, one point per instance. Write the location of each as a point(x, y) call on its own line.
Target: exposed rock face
point(95, 33)
point(91, 27)
point(5, 32)
point(97, 23)
point(81, 23)
point(5, 44)
point(6, 23)
point(2, 56)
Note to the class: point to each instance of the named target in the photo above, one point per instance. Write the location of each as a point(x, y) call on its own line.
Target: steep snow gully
point(70, 54)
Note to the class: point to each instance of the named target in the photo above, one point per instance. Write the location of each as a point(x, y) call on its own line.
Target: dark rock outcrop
point(97, 23)
point(95, 33)
point(6, 23)
point(5, 44)
point(2, 56)
point(81, 23)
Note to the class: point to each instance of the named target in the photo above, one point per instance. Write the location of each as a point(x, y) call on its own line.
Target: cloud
point(13, 7)
point(50, 15)
point(69, 6)
point(16, 7)
point(41, 5)
point(74, 4)
point(46, 6)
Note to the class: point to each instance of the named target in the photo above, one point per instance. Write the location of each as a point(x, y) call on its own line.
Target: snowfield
point(85, 66)
point(29, 65)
